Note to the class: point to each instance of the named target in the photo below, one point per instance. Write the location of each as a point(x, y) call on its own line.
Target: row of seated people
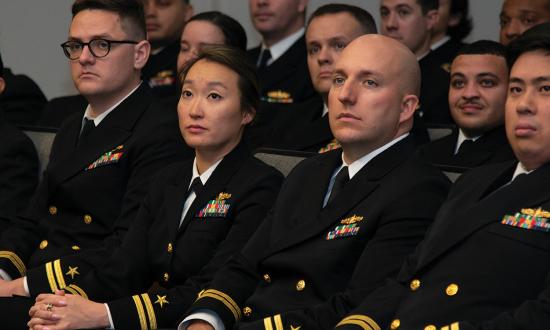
point(364, 207)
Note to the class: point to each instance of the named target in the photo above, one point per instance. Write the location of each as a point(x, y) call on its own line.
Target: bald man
point(368, 203)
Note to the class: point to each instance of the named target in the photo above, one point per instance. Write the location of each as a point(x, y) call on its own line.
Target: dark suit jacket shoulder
point(22, 100)
point(18, 171)
point(182, 258)
point(289, 263)
point(92, 191)
point(482, 238)
point(58, 109)
point(492, 147)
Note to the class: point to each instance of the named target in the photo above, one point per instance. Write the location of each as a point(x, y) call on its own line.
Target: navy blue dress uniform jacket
point(286, 80)
point(181, 258)
point(492, 147)
point(160, 72)
point(483, 265)
point(18, 171)
point(93, 190)
point(303, 253)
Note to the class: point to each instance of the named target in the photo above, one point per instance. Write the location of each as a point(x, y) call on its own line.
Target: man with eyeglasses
point(101, 160)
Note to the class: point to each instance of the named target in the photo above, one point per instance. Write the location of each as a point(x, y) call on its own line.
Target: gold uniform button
point(87, 219)
point(53, 210)
point(267, 278)
point(415, 284)
point(75, 247)
point(395, 324)
point(170, 248)
point(166, 277)
point(43, 244)
point(247, 311)
point(300, 285)
point(430, 327)
point(451, 290)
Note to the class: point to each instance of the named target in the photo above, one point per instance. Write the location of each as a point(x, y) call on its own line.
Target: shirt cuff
point(4, 275)
point(111, 323)
point(26, 286)
point(206, 315)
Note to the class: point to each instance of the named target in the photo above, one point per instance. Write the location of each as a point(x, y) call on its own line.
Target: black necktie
point(196, 186)
point(264, 58)
point(339, 183)
point(88, 127)
point(465, 147)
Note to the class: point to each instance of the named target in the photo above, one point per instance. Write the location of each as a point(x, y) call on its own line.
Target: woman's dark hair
point(464, 26)
point(237, 61)
point(233, 32)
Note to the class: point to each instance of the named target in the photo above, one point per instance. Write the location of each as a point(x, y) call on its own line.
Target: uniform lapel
point(216, 183)
point(364, 183)
point(176, 194)
point(486, 206)
point(111, 133)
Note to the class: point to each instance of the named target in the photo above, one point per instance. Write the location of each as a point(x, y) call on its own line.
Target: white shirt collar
point(440, 43)
point(98, 119)
point(279, 48)
point(462, 137)
point(206, 174)
point(357, 165)
point(520, 169)
point(325, 109)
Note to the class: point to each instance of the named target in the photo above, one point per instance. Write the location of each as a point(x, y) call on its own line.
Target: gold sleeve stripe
point(78, 290)
point(455, 326)
point(51, 278)
point(59, 274)
point(15, 260)
point(141, 312)
point(150, 311)
point(363, 321)
point(278, 322)
point(267, 323)
point(225, 299)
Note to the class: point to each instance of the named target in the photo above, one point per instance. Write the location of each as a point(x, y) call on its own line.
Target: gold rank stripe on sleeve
point(59, 274)
point(362, 321)
point(141, 312)
point(150, 311)
point(74, 289)
point(268, 323)
point(225, 299)
point(51, 277)
point(15, 260)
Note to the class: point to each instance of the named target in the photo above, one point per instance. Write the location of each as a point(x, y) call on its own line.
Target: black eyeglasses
point(98, 47)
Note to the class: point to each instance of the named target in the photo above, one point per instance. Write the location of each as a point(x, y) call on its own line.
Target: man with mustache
point(477, 93)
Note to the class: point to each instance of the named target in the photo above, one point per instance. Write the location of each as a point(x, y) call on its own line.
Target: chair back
point(42, 138)
point(282, 160)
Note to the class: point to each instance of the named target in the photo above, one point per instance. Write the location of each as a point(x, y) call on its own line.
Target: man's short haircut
point(363, 17)
point(428, 5)
point(536, 38)
point(131, 14)
point(464, 27)
point(233, 32)
point(483, 47)
point(237, 61)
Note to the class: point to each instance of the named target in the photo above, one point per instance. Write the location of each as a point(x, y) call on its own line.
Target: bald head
point(374, 94)
point(391, 56)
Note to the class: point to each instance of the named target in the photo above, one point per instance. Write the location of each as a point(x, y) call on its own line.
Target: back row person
point(103, 157)
point(477, 94)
